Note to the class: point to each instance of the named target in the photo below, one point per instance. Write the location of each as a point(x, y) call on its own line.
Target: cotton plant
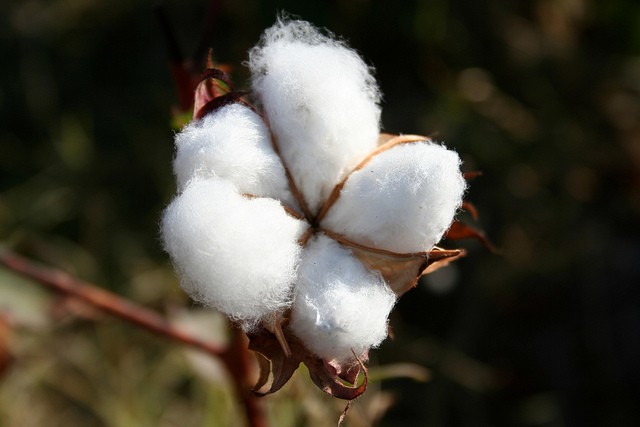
point(296, 217)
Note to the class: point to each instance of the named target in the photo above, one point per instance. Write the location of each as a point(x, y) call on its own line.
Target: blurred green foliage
point(543, 96)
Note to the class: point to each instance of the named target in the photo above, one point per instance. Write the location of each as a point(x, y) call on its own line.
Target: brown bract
point(276, 368)
point(213, 92)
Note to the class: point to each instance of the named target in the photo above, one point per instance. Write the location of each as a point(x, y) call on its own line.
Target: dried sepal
point(262, 385)
point(330, 380)
point(471, 175)
point(460, 230)
point(274, 325)
point(214, 91)
point(401, 271)
point(439, 258)
point(276, 368)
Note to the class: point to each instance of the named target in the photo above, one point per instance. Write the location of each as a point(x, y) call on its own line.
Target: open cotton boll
point(402, 200)
point(339, 305)
point(232, 143)
point(238, 255)
point(321, 101)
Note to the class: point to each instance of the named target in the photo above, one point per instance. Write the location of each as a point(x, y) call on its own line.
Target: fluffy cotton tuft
point(232, 143)
point(321, 101)
point(339, 305)
point(238, 255)
point(402, 200)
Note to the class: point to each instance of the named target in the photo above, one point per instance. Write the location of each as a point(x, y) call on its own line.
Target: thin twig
point(106, 301)
point(235, 357)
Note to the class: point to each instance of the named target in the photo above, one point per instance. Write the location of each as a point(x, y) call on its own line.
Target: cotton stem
point(235, 357)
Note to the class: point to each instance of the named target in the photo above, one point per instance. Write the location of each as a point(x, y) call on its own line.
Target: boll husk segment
point(313, 220)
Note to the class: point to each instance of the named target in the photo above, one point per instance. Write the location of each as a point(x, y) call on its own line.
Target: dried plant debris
point(297, 218)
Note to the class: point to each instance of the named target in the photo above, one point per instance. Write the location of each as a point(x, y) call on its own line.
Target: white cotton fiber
point(402, 200)
point(236, 254)
point(321, 101)
point(339, 305)
point(232, 143)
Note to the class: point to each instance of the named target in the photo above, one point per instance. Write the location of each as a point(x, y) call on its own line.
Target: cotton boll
point(321, 100)
point(232, 143)
point(236, 254)
point(402, 200)
point(339, 305)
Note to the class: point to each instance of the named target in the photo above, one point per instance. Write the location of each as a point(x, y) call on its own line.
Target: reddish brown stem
point(235, 357)
point(106, 301)
point(238, 362)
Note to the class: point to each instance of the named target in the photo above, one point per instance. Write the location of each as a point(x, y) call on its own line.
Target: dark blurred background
point(543, 96)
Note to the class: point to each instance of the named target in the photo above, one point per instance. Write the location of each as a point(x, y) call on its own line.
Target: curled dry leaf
point(460, 230)
point(400, 271)
point(276, 368)
point(213, 92)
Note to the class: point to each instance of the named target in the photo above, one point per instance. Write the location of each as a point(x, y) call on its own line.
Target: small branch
point(235, 357)
point(106, 301)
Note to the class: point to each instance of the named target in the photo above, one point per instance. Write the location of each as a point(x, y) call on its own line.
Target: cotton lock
point(321, 101)
point(402, 200)
point(340, 307)
point(236, 254)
